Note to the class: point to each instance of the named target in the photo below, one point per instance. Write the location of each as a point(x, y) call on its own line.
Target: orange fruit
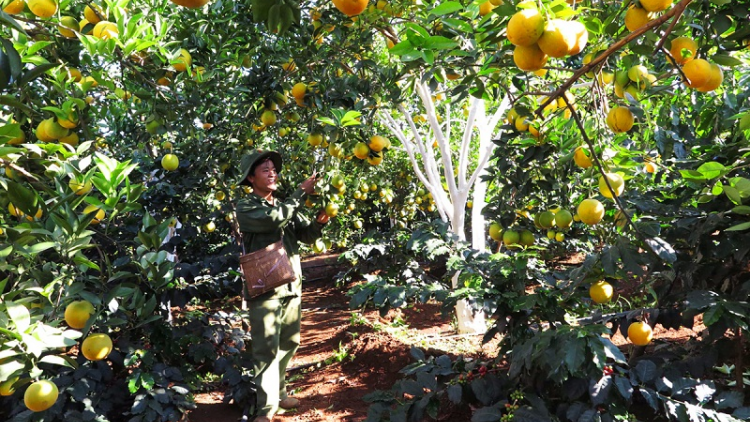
point(529, 58)
point(525, 27)
point(581, 159)
point(351, 7)
point(78, 313)
point(95, 14)
point(698, 72)
point(601, 292)
point(15, 7)
point(590, 211)
point(43, 8)
point(640, 333)
point(40, 395)
point(716, 77)
point(96, 346)
point(615, 180)
point(656, 5)
point(557, 39)
point(377, 143)
point(636, 17)
point(620, 119)
point(105, 30)
point(581, 37)
point(683, 49)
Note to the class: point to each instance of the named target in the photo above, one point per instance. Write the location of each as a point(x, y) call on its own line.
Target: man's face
point(264, 177)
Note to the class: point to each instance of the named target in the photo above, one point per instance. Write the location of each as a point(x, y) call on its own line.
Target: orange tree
point(633, 152)
point(123, 124)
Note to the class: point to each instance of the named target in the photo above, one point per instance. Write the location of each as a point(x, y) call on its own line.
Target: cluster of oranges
point(537, 38)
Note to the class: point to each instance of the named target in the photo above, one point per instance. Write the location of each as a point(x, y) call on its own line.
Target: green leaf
point(23, 198)
point(733, 194)
point(9, 368)
point(19, 315)
point(645, 370)
point(61, 360)
point(7, 20)
point(402, 48)
point(712, 315)
point(612, 351)
point(39, 247)
point(446, 8)
point(712, 170)
point(742, 209)
point(662, 248)
point(739, 227)
point(440, 43)
point(726, 60)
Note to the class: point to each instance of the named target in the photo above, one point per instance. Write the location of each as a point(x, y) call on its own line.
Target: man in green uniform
point(275, 315)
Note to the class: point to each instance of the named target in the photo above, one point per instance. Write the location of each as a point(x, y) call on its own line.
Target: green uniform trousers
point(275, 332)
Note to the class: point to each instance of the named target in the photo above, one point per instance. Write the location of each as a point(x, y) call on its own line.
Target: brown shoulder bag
point(266, 268)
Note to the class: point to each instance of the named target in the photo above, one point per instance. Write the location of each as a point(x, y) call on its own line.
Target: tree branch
point(678, 8)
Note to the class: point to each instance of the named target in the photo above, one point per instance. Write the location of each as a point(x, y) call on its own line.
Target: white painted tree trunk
point(451, 204)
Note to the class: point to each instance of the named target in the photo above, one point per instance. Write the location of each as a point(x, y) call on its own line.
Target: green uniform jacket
point(261, 224)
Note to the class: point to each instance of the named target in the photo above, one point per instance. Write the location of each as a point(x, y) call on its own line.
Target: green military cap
point(250, 160)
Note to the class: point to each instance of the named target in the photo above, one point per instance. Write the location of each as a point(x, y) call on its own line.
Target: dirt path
point(341, 358)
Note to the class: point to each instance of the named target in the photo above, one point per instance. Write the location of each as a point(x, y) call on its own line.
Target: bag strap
point(242, 240)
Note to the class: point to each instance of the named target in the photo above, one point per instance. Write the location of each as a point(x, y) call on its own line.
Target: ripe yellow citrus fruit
point(546, 219)
point(636, 17)
point(15, 7)
point(268, 118)
point(335, 150)
point(79, 187)
point(485, 8)
point(525, 27)
point(559, 236)
point(601, 292)
point(377, 143)
point(563, 219)
point(351, 7)
point(298, 90)
point(43, 8)
point(6, 388)
point(314, 139)
point(71, 139)
point(332, 209)
point(620, 119)
point(511, 238)
point(375, 159)
point(97, 218)
point(640, 333)
point(96, 346)
point(170, 162)
point(557, 39)
point(68, 26)
point(715, 78)
point(697, 71)
point(615, 180)
point(638, 73)
point(78, 313)
point(656, 5)
point(105, 30)
point(496, 232)
point(220, 195)
point(70, 122)
point(581, 159)
point(581, 37)
point(551, 234)
point(590, 211)
point(529, 58)
point(521, 124)
point(210, 227)
point(683, 49)
point(94, 15)
point(190, 4)
point(40, 395)
point(650, 167)
point(361, 150)
point(182, 61)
